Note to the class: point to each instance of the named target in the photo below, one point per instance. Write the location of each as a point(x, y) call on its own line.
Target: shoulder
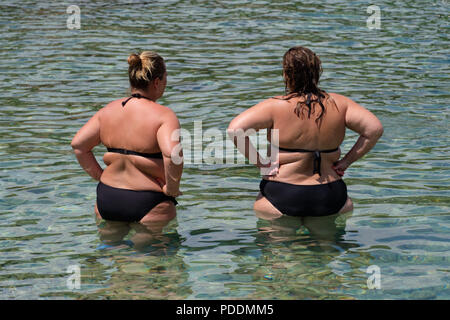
point(116, 102)
point(165, 111)
point(166, 114)
point(273, 102)
point(337, 97)
point(112, 105)
point(342, 102)
point(279, 99)
point(108, 109)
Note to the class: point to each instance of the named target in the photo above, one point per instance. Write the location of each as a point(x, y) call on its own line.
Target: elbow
point(236, 124)
point(231, 131)
point(176, 157)
point(374, 132)
point(378, 132)
point(234, 129)
point(77, 147)
point(74, 144)
point(231, 127)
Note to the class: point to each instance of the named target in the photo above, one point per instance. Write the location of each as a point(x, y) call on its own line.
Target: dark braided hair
point(301, 71)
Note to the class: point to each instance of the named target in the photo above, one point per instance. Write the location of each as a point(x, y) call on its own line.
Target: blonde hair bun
point(144, 68)
point(134, 60)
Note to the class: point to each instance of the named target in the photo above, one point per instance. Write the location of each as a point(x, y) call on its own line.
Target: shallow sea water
point(223, 57)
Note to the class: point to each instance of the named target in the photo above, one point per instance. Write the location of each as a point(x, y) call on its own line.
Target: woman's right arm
point(362, 121)
point(83, 143)
point(168, 137)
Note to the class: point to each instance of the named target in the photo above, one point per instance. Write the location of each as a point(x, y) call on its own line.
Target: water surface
point(223, 57)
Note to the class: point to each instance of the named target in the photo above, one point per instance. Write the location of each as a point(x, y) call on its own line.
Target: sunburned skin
point(297, 133)
point(297, 167)
point(123, 171)
point(141, 125)
point(134, 127)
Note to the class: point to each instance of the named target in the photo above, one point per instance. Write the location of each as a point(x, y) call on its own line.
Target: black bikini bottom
point(127, 205)
point(305, 200)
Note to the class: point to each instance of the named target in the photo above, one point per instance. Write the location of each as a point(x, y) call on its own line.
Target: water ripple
point(223, 57)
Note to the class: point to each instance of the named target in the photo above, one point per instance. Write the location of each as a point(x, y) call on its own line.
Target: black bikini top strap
point(305, 150)
point(317, 156)
point(135, 95)
point(125, 102)
point(318, 159)
point(145, 155)
point(329, 150)
point(294, 150)
point(317, 162)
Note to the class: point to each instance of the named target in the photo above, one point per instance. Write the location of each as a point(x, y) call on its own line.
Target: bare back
point(304, 133)
point(132, 127)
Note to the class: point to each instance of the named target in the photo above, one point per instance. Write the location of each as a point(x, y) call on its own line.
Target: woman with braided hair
point(311, 126)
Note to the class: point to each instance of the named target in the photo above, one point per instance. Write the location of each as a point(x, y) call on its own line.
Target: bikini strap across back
point(135, 95)
point(317, 157)
point(157, 155)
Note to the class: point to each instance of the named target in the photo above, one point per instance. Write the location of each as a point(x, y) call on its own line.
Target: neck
point(151, 95)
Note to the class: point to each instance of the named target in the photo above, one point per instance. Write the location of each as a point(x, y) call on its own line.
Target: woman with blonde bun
point(141, 179)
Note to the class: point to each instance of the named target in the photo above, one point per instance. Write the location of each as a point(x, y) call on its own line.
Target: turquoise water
point(223, 57)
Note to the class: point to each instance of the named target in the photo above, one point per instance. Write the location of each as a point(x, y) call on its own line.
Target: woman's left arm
point(84, 141)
